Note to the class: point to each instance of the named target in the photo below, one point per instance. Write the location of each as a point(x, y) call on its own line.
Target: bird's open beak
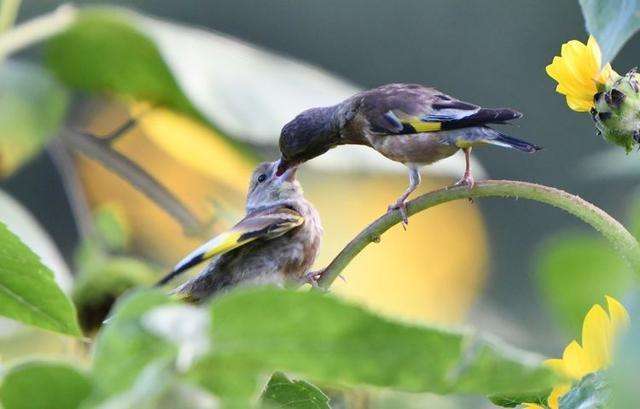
point(282, 167)
point(286, 172)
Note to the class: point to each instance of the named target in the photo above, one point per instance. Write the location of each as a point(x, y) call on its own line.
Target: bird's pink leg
point(401, 203)
point(467, 178)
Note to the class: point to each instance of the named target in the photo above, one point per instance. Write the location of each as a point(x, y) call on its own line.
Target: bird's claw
point(313, 278)
point(401, 206)
point(468, 181)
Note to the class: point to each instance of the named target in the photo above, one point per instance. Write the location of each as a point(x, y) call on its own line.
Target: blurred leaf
point(282, 392)
point(624, 373)
point(44, 385)
point(511, 401)
point(330, 341)
point(124, 347)
point(197, 72)
point(22, 223)
point(634, 216)
point(185, 326)
point(104, 278)
point(196, 146)
point(592, 392)
point(610, 164)
point(111, 224)
point(157, 387)
point(575, 271)
point(28, 291)
point(32, 107)
point(191, 70)
point(611, 22)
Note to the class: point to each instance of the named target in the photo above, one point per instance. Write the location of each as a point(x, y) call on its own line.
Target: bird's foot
point(313, 278)
point(401, 206)
point(468, 181)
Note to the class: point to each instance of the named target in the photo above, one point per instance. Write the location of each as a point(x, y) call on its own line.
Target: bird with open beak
point(275, 243)
point(408, 123)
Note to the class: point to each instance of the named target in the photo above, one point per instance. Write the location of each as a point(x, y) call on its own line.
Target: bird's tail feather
point(513, 143)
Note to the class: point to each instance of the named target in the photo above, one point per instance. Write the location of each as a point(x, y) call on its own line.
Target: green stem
point(8, 13)
point(33, 31)
point(619, 237)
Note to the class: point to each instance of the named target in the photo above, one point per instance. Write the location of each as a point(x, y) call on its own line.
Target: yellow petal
point(606, 75)
point(532, 406)
point(596, 338)
point(580, 62)
point(558, 366)
point(553, 401)
point(593, 46)
point(617, 314)
point(579, 104)
point(576, 364)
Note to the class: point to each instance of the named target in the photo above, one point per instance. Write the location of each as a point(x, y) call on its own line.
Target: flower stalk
point(626, 245)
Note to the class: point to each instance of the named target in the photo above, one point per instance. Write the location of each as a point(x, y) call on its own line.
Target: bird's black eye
point(262, 178)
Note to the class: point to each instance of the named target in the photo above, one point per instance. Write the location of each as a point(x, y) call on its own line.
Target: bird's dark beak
point(286, 172)
point(282, 167)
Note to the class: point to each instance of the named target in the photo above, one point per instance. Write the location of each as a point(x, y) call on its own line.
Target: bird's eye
point(262, 178)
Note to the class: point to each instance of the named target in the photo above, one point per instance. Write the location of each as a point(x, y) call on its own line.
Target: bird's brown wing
point(412, 108)
point(265, 224)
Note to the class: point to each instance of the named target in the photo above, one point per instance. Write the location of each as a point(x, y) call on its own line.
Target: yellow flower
point(578, 73)
point(599, 332)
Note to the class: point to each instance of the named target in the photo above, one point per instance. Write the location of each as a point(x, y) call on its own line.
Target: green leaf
point(592, 392)
point(124, 347)
point(328, 340)
point(514, 400)
point(575, 271)
point(283, 392)
point(32, 107)
point(44, 385)
point(111, 225)
point(28, 291)
point(611, 22)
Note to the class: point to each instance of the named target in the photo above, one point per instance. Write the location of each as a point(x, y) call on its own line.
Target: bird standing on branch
point(408, 123)
point(275, 243)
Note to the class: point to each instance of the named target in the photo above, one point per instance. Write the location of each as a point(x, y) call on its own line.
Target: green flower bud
point(617, 110)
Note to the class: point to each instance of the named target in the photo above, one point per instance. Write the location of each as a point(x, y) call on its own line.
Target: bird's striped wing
point(408, 108)
point(266, 224)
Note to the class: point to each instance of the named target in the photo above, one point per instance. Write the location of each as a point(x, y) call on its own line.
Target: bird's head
point(308, 135)
point(266, 187)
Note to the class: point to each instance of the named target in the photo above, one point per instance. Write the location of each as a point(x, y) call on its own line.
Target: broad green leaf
point(611, 22)
point(282, 392)
point(23, 224)
point(330, 341)
point(44, 385)
point(32, 107)
point(124, 347)
point(28, 291)
point(592, 392)
point(575, 271)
